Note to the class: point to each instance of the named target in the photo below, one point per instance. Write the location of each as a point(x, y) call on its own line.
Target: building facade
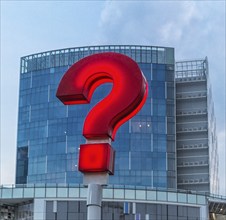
point(197, 157)
point(49, 133)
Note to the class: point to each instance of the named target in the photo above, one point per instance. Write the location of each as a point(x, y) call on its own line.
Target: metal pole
point(95, 183)
point(94, 198)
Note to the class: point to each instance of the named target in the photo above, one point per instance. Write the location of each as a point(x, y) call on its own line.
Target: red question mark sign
point(126, 98)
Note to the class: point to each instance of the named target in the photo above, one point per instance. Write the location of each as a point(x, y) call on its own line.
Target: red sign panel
point(128, 95)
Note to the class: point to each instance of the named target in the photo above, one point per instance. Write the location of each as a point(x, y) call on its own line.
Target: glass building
point(166, 156)
point(49, 133)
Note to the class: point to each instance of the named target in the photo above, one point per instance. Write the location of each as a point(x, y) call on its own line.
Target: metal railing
point(115, 192)
point(67, 56)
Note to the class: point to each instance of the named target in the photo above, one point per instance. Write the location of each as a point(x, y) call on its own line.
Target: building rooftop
point(67, 56)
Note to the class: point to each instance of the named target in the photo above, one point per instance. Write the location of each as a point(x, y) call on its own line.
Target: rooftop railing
point(68, 56)
point(192, 69)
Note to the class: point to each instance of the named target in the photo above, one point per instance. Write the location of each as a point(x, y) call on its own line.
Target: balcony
point(192, 129)
point(190, 79)
point(191, 95)
point(192, 146)
point(193, 181)
point(191, 112)
point(193, 163)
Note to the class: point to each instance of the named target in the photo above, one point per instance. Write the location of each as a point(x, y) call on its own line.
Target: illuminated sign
point(128, 95)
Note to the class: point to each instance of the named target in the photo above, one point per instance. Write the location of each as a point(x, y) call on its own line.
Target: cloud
point(189, 12)
point(110, 15)
point(169, 32)
point(174, 28)
point(171, 23)
point(146, 21)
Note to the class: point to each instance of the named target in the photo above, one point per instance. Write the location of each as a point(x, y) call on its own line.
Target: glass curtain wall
point(52, 132)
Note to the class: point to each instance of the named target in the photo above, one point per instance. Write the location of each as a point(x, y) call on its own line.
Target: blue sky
point(195, 29)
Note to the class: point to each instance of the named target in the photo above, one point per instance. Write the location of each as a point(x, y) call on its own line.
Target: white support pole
point(95, 182)
point(94, 199)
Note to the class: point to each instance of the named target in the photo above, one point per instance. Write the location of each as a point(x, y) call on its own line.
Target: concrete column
point(39, 209)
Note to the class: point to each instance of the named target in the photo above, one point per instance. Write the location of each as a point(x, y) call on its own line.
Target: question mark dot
point(96, 158)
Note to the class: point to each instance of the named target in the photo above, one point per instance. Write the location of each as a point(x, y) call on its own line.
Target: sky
point(195, 29)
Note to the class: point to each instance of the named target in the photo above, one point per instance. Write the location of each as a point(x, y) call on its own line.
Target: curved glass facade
point(49, 133)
